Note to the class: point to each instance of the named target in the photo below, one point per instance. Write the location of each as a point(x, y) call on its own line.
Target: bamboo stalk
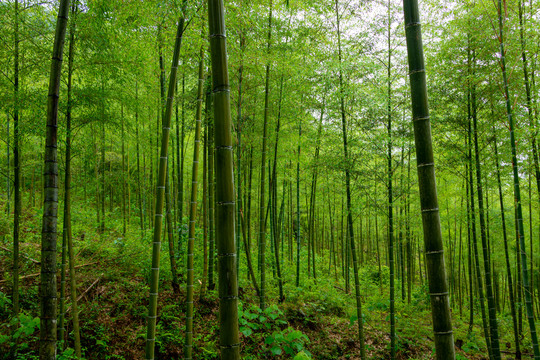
point(438, 287)
point(160, 197)
point(48, 325)
point(227, 279)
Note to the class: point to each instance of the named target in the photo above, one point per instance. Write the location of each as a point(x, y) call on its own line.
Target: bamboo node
point(425, 164)
point(430, 210)
point(434, 252)
point(229, 346)
point(223, 88)
point(443, 332)
point(226, 254)
point(439, 294)
point(421, 118)
point(411, 24)
point(217, 36)
point(226, 203)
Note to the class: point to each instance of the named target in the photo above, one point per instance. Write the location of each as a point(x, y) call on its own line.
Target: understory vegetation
point(289, 179)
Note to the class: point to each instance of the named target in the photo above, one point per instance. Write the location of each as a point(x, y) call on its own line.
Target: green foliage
point(256, 323)
point(289, 340)
point(21, 333)
point(168, 332)
point(254, 319)
point(5, 305)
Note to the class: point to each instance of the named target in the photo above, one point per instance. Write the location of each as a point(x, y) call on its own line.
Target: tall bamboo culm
point(225, 202)
point(517, 193)
point(438, 287)
point(47, 334)
point(160, 198)
point(66, 233)
point(188, 350)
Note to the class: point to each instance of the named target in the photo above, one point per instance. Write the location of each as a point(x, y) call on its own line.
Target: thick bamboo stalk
point(47, 335)
point(226, 250)
point(438, 288)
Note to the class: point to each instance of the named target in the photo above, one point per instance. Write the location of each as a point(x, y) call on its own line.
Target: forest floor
point(315, 321)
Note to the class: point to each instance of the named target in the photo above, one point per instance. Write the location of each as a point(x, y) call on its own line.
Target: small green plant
point(5, 305)
point(25, 326)
point(67, 354)
point(256, 323)
point(290, 341)
point(302, 355)
point(253, 319)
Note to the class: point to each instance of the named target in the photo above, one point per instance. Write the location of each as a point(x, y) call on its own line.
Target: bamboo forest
point(272, 179)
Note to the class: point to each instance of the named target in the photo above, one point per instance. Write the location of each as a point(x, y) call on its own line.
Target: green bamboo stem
point(211, 196)
point(16, 166)
point(517, 193)
point(350, 229)
point(239, 157)
point(512, 303)
point(471, 104)
point(124, 187)
point(438, 288)
point(296, 222)
point(390, 198)
point(66, 234)
point(262, 218)
point(492, 313)
point(205, 194)
point(227, 279)
point(172, 256)
point(48, 325)
point(188, 347)
point(273, 194)
point(160, 198)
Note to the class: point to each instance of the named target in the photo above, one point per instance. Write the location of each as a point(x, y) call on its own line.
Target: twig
point(39, 273)
point(85, 292)
point(24, 256)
